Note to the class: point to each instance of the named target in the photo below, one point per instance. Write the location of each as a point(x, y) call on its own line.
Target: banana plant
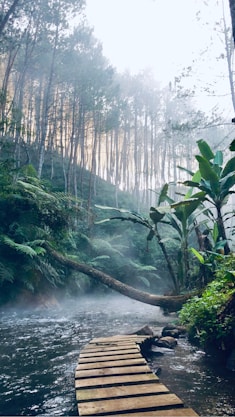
point(180, 216)
point(215, 183)
point(177, 215)
point(156, 216)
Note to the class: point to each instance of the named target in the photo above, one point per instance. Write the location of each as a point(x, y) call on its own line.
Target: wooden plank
point(118, 340)
point(115, 380)
point(110, 358)
point(120, 391)
point(175, 412)
point(127, 343)
point(112, 377)
point(112, 363)
point(130, 403)
point(118, 351)
point(110, 349)
point(141, 369)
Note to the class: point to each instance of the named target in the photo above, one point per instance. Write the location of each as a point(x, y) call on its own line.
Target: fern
point(49, 272)
point(35, 191)
point(102, 246)
point(96, 261)
point(28, 284)
point(37, 246)
point(19, 247)
point(144, 280)
point(6, 274)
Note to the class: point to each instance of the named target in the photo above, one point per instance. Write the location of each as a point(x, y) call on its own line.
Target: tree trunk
point(229, 46)
point(169, 303)
point(221, 229)
point(10, 11)
point(232, 11)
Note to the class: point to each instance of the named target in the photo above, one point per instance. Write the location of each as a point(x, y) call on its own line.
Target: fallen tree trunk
point(169, 303)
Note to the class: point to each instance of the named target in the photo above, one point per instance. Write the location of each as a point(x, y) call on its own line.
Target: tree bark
point(232, 11)
point(169, 303)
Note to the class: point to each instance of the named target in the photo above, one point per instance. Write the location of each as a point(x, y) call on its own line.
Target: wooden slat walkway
point(113, 379)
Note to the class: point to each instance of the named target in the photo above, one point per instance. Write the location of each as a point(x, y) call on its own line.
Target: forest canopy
point(76, 135)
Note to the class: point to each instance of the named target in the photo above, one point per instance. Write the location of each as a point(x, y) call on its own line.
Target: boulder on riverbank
point(166, 342)
point(174, 331)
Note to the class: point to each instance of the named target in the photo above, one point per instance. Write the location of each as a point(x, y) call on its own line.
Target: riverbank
point(40, 348)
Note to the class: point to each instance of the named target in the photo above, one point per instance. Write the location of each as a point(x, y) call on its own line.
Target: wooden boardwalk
point(113, 379)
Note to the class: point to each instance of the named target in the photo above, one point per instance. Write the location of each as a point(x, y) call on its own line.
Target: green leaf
point(220, 245)
point(200, 195)
point(215, 233)
point(226, 184)
point(198, 255)
point(19, 247)
point(155, 215)
point(197, 176)
point(6, 274)
point(189, 183)
point(207, 171)
point(205, 186)
point(186, 170)
point(163, 194)
point(205, 150)
point(35, 190)
point(112, 208)
point(102, 221)
point(232, 146)
point(229, 167)
point(184, 203)
point(144, 280)
point(148, 268)
point(173, 222)
point(40, 251)
point(218, 159)
point(101, 257)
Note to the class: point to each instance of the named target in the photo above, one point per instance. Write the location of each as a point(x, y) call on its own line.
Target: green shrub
point(201, 315)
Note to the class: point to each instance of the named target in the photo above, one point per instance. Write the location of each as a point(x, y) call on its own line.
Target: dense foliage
point(68, 119)
point(208, 318)
point(176, 224)
point(59, 93)
point(30, 214)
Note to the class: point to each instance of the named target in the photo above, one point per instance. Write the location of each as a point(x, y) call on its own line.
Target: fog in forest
point(116, 177)
point(108, 100)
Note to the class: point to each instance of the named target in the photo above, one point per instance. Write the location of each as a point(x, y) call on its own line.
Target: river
point(39, 350)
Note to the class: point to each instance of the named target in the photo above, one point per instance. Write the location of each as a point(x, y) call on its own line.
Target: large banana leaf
point(218, 159)
point(232, 145)
point(229, 167)
point(156, 215)
point(226, 184)
point(205, 150)
point(207, 171)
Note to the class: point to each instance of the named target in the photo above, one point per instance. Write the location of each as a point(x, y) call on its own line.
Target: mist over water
point(39, 352)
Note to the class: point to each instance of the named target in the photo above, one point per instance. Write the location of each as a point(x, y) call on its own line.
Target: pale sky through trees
point(165, 36)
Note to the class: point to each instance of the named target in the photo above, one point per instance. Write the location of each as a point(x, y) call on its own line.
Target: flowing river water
point(39, 350)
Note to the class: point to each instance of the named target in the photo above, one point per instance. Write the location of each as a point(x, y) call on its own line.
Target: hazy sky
point(164, 35)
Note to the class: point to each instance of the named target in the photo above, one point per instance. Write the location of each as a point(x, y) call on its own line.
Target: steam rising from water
point(39, 352)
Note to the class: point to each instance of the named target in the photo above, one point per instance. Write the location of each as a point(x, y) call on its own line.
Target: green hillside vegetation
point(105, 182)
point(35, 211)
